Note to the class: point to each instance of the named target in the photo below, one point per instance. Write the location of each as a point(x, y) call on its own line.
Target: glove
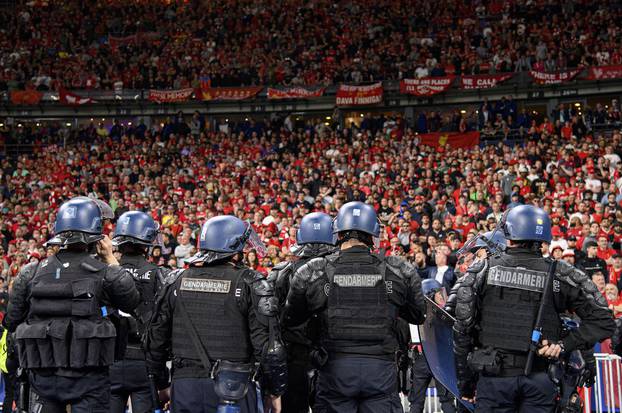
point(590, 371)
point(467, 388)
point(160, 374)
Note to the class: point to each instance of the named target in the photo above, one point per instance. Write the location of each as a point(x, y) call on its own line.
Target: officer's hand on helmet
point(272, 404)
point(549, 350)
point(105, 251)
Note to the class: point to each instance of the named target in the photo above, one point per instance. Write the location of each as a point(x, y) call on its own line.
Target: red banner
point(228, 93)
point(115, 41)
point(26, 97)
point(605, 72)
point(170, 96)
point(483, 81)
point(451, 139)
point(543, 78)
point(72, 99)
point(294, 93)
point(426, 86)
point(348, 95)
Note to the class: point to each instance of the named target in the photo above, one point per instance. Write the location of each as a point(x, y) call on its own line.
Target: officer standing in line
point(314, 239)
point(497, 306)
point(58, 310)
point(219, 320)
point(359, 297)
point(134, 234)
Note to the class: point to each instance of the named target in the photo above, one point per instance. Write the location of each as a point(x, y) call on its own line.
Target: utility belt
point(492, 362)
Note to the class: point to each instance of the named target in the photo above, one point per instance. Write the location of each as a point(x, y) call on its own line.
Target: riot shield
point(436, 339)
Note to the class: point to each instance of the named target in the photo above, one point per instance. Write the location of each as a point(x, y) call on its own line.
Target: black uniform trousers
point(358, 384)
point(86, 394)
point(535, 393)
point(128, 379)
point(421, 381)
point(197, 395)
point(296, 397)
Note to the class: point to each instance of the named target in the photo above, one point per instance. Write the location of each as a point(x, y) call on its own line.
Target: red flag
point(605, 72)
point(451, 139)
point(229, 93)
point(71, 99)
point(26, 97)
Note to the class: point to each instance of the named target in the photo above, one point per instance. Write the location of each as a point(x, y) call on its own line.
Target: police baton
point(536, 334)
point(23, 402)
point(153, 389)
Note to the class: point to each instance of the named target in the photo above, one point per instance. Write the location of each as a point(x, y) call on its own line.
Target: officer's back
point(314, 239)
point(498, 303)
point(218, 320)
point(59, 309)
point(359, 297)
point(135, 233)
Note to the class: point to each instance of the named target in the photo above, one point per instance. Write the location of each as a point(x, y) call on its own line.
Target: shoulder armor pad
point(401, 267)
point(578, 279)
point(570, 274)
point(309, 272)
point(92, 265)
point(476, 266)
point(252, 276)
point(281, 265)
point(30, 269)
point(173, 276)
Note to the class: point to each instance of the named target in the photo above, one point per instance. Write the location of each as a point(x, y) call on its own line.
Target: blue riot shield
point(436, 339)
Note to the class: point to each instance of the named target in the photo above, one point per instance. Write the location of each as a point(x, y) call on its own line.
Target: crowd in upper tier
point(175, 44)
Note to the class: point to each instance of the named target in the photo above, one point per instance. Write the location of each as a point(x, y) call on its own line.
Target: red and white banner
point(228, 93)
point(451, 139)
point(543, 78)
point(426, 86)
point(170, 96)
point(483, 81)
point(348, 95)
point(294, 93)
point(69, 98)
point(605, 72)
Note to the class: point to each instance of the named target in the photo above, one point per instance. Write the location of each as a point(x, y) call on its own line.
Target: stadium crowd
point(176, 44)
point(272, 173)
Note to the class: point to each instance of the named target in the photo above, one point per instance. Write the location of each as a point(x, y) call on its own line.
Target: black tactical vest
point(211, 297)
point(510, 300)
point(359, 316)
point(66, 325)
point(133, 328)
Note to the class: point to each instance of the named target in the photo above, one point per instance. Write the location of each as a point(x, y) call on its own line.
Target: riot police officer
point(219, 320)
point(499, 304)
point(58, 310)
point(134, 234)
point(359, 297)
point(314, 239)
